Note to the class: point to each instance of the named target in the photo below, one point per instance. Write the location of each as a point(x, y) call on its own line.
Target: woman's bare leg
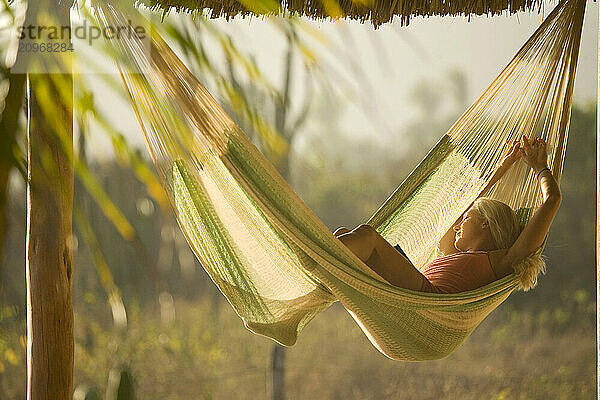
point(340, 231)
point(361, 241)
point(368, 245)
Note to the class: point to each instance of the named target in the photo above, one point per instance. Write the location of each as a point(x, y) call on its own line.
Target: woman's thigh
point(394, 267)
point(388, 263)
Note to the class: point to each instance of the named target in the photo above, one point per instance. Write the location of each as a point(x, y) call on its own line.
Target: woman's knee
point(365, 230)
point(341, 231)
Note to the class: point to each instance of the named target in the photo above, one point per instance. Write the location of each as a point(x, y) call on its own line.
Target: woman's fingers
point(531, 150)
point(511, 153)
point(515, 149)
point(534, 152)
point(509, 146)
point(529, 145)
point(540, 145)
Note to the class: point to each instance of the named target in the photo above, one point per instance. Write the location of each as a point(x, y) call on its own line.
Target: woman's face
point(470, 232)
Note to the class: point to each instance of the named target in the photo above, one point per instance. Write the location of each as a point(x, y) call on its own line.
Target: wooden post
point(49, 268)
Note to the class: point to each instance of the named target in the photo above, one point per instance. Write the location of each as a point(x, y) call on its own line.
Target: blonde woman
point(484, 245)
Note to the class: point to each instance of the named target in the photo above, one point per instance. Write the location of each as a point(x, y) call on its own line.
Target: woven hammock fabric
point(277, 263)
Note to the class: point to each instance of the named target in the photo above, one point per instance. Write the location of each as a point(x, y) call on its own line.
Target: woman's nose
point(456, 228)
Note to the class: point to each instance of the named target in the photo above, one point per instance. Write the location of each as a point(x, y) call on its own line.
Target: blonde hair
point(505, 229)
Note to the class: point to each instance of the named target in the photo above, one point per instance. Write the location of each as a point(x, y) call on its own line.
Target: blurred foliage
point(204, 356)
point(121, 384)
point(571, 244)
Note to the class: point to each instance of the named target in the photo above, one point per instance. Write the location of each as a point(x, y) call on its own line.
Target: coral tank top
point(459, 272)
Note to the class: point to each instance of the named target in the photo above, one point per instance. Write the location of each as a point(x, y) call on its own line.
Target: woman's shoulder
point(500, 263)
point(460, 257)
point(496, 259)
point(470, 253)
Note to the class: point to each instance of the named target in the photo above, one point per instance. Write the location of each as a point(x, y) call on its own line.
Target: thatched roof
point(375, 11)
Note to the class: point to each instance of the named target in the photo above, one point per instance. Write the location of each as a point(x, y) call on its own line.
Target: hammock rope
point(277, 263)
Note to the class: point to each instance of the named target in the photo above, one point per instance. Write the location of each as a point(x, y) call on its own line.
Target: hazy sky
point(394, 58)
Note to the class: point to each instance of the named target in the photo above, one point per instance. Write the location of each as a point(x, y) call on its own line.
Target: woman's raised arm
point(511, 155)
point(533, 235)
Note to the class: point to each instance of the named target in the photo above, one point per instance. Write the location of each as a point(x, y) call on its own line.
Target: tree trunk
point(49, 218)
point(281, 122)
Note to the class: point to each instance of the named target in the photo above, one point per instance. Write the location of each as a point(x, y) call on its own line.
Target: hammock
point(277, 263)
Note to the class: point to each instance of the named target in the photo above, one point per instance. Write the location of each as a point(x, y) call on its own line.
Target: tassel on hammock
point(277, 263)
